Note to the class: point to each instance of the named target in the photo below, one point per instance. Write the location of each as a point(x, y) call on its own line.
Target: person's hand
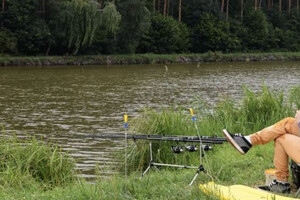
point(297, 116)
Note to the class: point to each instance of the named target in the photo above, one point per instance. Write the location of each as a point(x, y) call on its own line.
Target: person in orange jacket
point(286, 136)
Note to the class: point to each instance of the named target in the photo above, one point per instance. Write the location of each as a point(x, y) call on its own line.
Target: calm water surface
point(63, 104)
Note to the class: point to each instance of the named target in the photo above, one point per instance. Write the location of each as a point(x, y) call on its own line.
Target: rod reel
point(177, 149)
point(191, 148)
point(207, 147)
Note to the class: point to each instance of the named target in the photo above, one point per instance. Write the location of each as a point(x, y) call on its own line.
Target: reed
point(294, 97)
point(26, 162)
point(164, 185)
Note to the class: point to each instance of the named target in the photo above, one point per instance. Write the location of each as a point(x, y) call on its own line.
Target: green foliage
point(104, 40)
point(23, 163)
point(264, 108)
point(166, 35)
point(193, 10)
point(81, 19)
point(212, 34)
point(135, 23)
point(31, 31)
point(86, 27)
point(8, 42)
point(255, 21)
point(110, 18)
point(294, 97)
point(287, 39)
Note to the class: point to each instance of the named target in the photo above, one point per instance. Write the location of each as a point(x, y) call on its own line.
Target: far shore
point(146, 59)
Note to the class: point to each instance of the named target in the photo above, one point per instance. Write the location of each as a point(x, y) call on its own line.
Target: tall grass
point(255, 111)
point(27, 162)
point(163, 185)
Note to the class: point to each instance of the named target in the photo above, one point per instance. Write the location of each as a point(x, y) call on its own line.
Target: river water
point(62, 104)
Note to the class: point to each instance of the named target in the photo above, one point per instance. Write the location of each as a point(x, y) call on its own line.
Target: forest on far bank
point(89, 27)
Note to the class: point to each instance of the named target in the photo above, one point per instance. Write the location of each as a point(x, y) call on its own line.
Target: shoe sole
point(231, 141)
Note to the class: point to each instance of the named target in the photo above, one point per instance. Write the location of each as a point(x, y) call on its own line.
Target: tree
point(212, 34)
point(77, 22)
point(8, 42)
point(257, 27)
point(165, 35)
point(27, 26)
point(135, 22)
point(179, 10)
point(192, 10)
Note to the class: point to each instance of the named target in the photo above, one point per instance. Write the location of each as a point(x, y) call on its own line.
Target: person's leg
point(287, 125)
point(285, 146)
point(244, 143)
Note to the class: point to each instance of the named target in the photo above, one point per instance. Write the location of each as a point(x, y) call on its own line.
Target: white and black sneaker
point(238, 141)
point(277, 187)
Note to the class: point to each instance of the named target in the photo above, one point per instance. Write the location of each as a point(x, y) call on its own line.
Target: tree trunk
point(255, 4)
point(222, 7)
point(168, 6)
point(100, 2)
point(3, 9)
point(154, 5)
point(179, 11)
point(297, 7)
point(259, 6)
point(44, 7)
point(165, 7)
point(289, 4)
point(227, 9)
point(279, 6)
point(158, 6)
point(242, 10)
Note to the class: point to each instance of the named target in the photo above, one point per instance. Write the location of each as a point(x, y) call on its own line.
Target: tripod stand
point(154, 164)
point(199, 169)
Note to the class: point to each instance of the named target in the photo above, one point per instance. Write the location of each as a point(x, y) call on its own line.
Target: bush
point(23, 163)
point(8, 42)
point(255, 21)
point(28, 27)
point(287, 39)
point(134, 24)
point(166, 35)
point(212, 34)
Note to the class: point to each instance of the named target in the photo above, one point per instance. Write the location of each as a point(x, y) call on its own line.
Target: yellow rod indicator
point(125, 118)
point(192, 112)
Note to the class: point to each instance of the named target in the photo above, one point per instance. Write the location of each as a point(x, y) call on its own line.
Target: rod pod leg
point(151, 164)
point(200, 169)
point(148, 168)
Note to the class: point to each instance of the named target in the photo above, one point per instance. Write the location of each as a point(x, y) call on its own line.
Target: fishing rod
point(174, 138)
point(204, 144)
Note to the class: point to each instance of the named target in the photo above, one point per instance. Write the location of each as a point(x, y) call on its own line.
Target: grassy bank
point(146, 59)
point(223, 164)
point(254, 112)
